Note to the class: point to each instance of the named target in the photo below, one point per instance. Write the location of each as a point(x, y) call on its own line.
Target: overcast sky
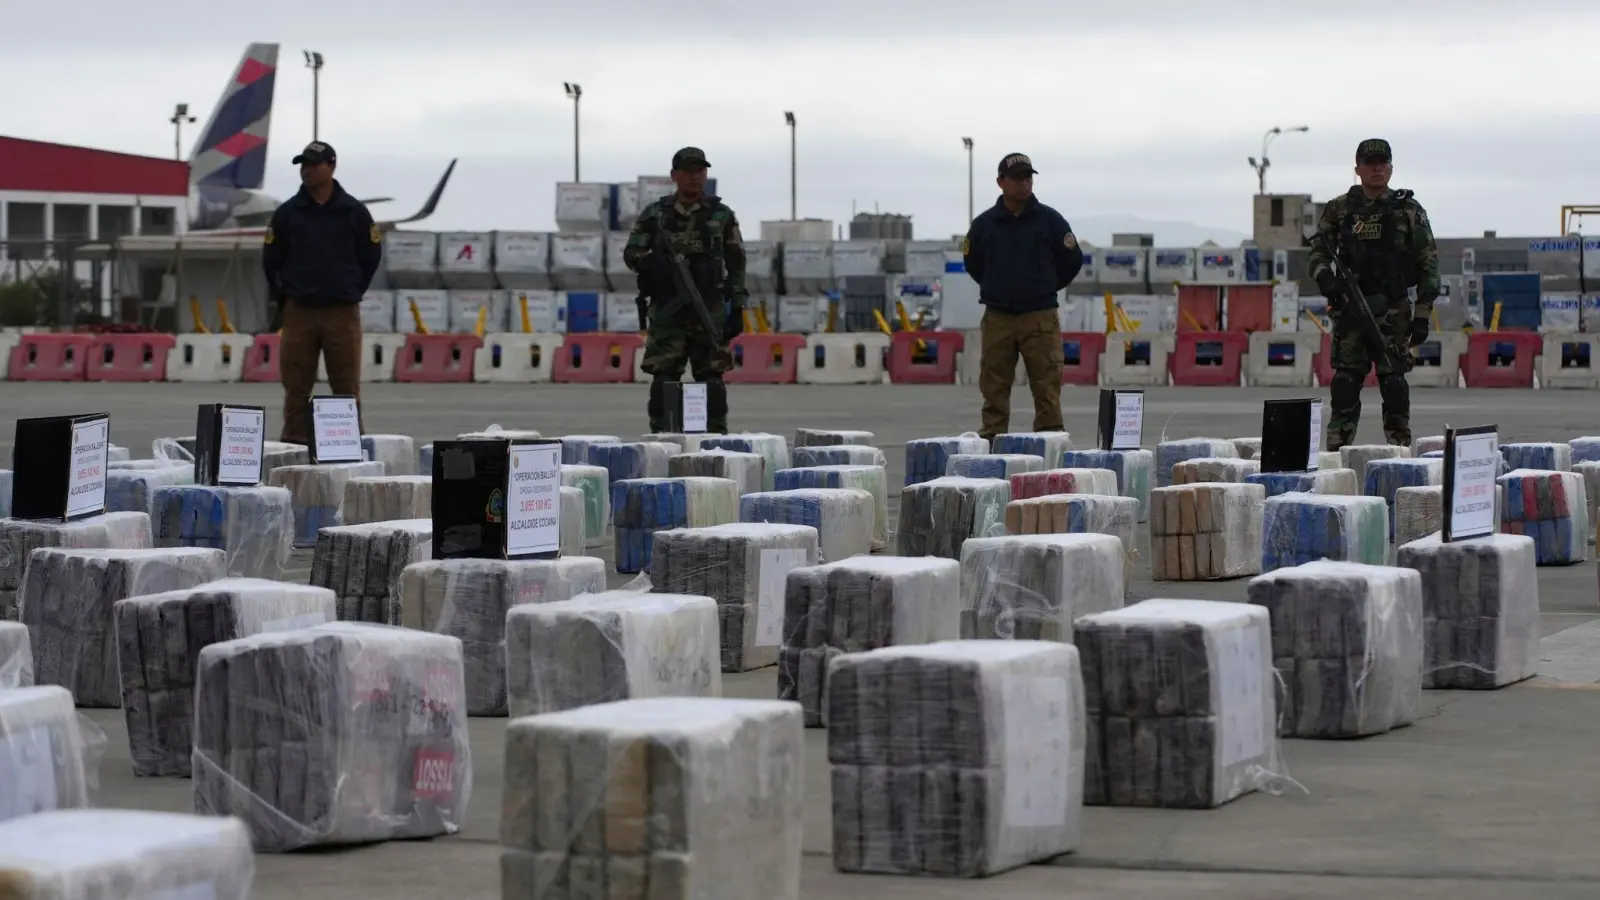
point(1142, 108)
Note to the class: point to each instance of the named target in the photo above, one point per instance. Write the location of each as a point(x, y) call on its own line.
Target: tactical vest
point(1377, 251)
point(700, 244)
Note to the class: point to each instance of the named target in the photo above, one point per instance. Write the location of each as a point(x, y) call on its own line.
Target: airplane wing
point(428, 207)
point(378, 200)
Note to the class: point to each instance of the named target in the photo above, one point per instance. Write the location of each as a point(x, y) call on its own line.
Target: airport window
point(1277, 212)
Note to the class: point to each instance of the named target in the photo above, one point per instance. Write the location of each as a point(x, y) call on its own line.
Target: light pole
point(1266, 139)
point(314, 63)
point(794, 192)
point(967, 143)
point(180, 115)
point(574, 91)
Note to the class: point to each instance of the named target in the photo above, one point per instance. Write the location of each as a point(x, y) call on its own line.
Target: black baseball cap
point(1017, 164)
point(1372, 147)
point(689, 158)
point(316, 152)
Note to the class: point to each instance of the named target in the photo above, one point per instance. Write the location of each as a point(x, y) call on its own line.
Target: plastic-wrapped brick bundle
point(159, 639)
point(857, 605)
point(872, 479)
point(85, 854)
point(496, 433)
point(1347, 642)
point(425, 459)
point(133, 490)
point(1428, 444)
point(338, 734)
point(595, 483)
point(397, 452)
point(318, 494)
point(1356, 456)
point(1339, 482)
point(840, 455)
point(1133, 469)
point(574, 531)
point(744, 469)
point(575, 447)
point(469, 599)
point(254, 526)
point(1585, 449)
point(821, 437)
point(1170, 453)
point(992, 465)
point(1076, 514)
point(1181, 696)
point(1545, 456)
point(1480, 610)
point(117, 454)
point(362, 565)
point(387, 498)
point(641, 507)
point(1200, 532)
point(1385, 476)
point(688, 443)
point(937, 517)
point(1550, 507)
point(146, 465)
point(929, 458)
point(5, 493)
point(1590, 473)
point(1419, 511)
point(1203, 470)
point(960, 759)
point(1247, 447)
point(675, 797)
point(772, 448)
point(609, 646)
point(16, 656)
point(1302, 528)
point(1047, 445)
point(843, 517)
point(19, 538)
point(1063, 481)
point(742, 566)
point(1333, 459)
point(41, 755)
point(1032, 587)
point(637, 460)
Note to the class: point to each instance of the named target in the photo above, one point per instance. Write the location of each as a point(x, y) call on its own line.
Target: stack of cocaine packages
point(387, 498)
point(856, 605)
point(159, 639)
point(1480, 610)
point(643, 506)
point(362, 565)
point(134, 490)
point(496, 433)
point(397, 452)
point(937, 517)
point(608, 646)
point(1133, 469)
point(425, 459)
point(5, 493)
point(1247, 447)
point(1301, 528)
point(1356, 456)
point(1550, 507)
point(929, 458)
point(821, 437)
point(1075, 514)
point(78, 854)
point(338, 734)
point(1032, 587)
point(1170, 453)
point(1333, 459)
point(41, 755)
point(575, 447)
point(1546, 456)
point(1427, 444)
point(772, 448)
point(67, 598)
point(636, 460)
point(872, 479)
point(992, 465)
point(1419, 511)
point(1386, 476)
point(1347, 641)
point(673, 797)
point(687, 443)
point(747, 470)
point(840, 455)
point(19, 538)
point(254, 526)
point(1589, 471)
point(117, 454)
point(273, 453)
point(742, 567)
point(1201, 532)
point(595, 483)
point(468, 599)
point(1181, 698)
point(1063, 481)
point(960, 759)
point(16, 656)
point(843, 517)
point(1584, 449)
point(574, 530)
point(318, 494)
point(1047, 445)
point(1208, 470)
point(1341, 482)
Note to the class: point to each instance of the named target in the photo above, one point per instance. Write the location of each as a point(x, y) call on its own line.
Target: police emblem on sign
point(376, 234)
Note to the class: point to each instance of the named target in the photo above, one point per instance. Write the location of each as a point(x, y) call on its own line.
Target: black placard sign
point(229, 445)
point(1471, 464)
point(477, 502)
point(1289, 436)
point(59, 467)
point(1121, 424)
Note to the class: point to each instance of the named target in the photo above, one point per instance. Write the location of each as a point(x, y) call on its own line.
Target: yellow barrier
point(222, 317)
point(416, 318)
point(199, 320)
point(522, 304)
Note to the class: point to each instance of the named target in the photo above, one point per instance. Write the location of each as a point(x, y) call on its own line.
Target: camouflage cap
point(1373, 147)
point(1017, 164)
point(688, 158)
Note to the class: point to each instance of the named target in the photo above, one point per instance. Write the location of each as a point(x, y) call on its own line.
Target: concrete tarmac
point(1484, 797)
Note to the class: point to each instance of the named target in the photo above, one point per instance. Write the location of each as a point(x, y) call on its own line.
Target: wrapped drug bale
point(668, 797)
point(496, 433)
point(820, 437)
point(574, 531)
point(575, 447)
point(856, 605)
point(840, 455)
point(317, 494)
point(1356, 456)
point(1333, 460)
point(1590, 473)
point(117, 454)
point(1422, 445)
point(1201, 532)
point(872, 479)
point(16, 656)
point(1076, 514)
point(1340, 482)
point(1419, 511)
point(1385, 476)
point(425, 459)
point(637, 460)
point(1170, 453)
point(1181, 701)
point(1551, 508)
point(1133, 469)
point(1545, 456)
point(468, 599)
point(1063, 481)
point(595, 483)
point(960, 759)
point(1204, 470)
point(1347, 642)
point(146, 465)
point(133, 490)
point(350, 733)
point(929, 458)
point(609, 646)
point(41, 755)
point(688, 443)
point(254, 526)
point(159, 638)
point(747, 470)
point(5, 493)
point(992, 465)
point(387, 498)
point(843, 517)
point(643, 506)
point(82, 854)
point(1032, 587)
point(362, 565)
point(276, 454)
point(1247, 447)
point(20, 537)
point(1480, 610)
point(1048, 445)
point(937, 517)
point(1585, 449)
point(742, 567)
point(1301, 528)
point(772, 448)
point(397, 452)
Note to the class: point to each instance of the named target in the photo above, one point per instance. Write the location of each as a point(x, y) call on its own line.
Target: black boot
point(716, 405)
point(657, 407)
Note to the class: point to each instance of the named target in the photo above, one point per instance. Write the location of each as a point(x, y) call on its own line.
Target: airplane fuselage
point(215, 208)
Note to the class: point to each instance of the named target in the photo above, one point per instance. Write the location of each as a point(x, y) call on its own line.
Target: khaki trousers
point(1036, 337)
point(331, 331)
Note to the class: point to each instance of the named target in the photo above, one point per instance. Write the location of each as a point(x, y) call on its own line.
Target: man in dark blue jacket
point(1021, 253)
point(320, 254)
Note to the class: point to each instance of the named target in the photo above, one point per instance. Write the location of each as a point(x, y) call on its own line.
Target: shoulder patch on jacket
point(966, 246)
point(1071, 241)
point(376, 234)
point(268, 237)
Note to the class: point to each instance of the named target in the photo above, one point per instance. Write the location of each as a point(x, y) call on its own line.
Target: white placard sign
point(244, 432)
point(533, 500)
point(1128, 432)
point(86, 482)
point(336, 430)
point(1316, 436)
point(1471, 479)
point(774, 578)
point(695, 409)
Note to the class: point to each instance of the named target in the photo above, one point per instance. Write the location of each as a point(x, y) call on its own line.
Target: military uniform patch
point(267, 238)
point(1071, 241)
point(966, 246)
point(376, 234)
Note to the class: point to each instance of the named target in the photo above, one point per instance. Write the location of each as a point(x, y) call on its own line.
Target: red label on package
point(435, 775)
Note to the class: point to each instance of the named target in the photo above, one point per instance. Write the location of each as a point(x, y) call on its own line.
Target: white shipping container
point(464, 260)
point(802, 313)
point(619, 312)
point(1121, 265)
point(542, 306)
point(578, 261)
point(1219, 265)
point(1090, 273)
point(653, 187)
point(1554, 256)
point(583, 206)
point(522, 252)
point(464, 307)
point(411, 259)
point(377, 311)
point(808, 266)
point(627, 204)
point(926, 258)
point(854, 258)
point(1075, 313)
point(1286, 306)
point(784, 231)
point(618, 276)
point(1559, 311)
point(432, 305)
point(1170, 265)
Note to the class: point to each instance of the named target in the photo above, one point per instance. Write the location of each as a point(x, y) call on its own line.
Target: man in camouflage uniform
point(707, 234)
point(1382, 239)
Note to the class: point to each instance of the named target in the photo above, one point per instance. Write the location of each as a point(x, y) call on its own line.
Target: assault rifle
point(1355, 306)
point(683, 281)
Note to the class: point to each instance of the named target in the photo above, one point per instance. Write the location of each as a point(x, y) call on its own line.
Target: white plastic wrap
point(1584, 449)
point(41, 756)
point(747, 470)
point(1480, 609)
point(1193, 678)
point(688, 443)
point(468, 599)
point(133, 490)
point(643, 506)
point(397, 452)
point(5, 492)
point(377, 312)
point(1247, 447)
point(843, 517)
point(960, 758)
point(1589, 471)
point(1048, 445)
point(318, 494)
point(1550, 507)
point(1076, 514)
point(496, 433)
point(938, 516)
point(595, 483)
point(1063, 481)
point(117, 454)
point(821, 437)
point(1302, 528)
point(86, 854)
point(1170, 453)
point(1419, 512)
point(1547, 456)
point(838, 455)
point(1134, 470)
point(992, 465)
point(1333, 459)
point(742, 566)
point(254, 526)
point(1385, 476)
point(387, 498)
point(1427, 444)
point(575, 447)
point(1032, 587)
point(773, 448)
point(19, 538)
point(1200, 532)
point(872, 479)
point(1356, 456)
point(929, 458)
point(609, 646)
point(644, 459)
point(671, 797)
point(16, 656)
point(1347, 641)
point(1203, 470)
point(1341, 482)
point(574, 533)
point(159, 638)
point(362, 565)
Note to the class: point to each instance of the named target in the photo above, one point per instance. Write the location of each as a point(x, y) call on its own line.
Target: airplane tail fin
point(427, 207)
point(232, 149)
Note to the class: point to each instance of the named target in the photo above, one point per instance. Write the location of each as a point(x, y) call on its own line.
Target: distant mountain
point(1097, 230)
